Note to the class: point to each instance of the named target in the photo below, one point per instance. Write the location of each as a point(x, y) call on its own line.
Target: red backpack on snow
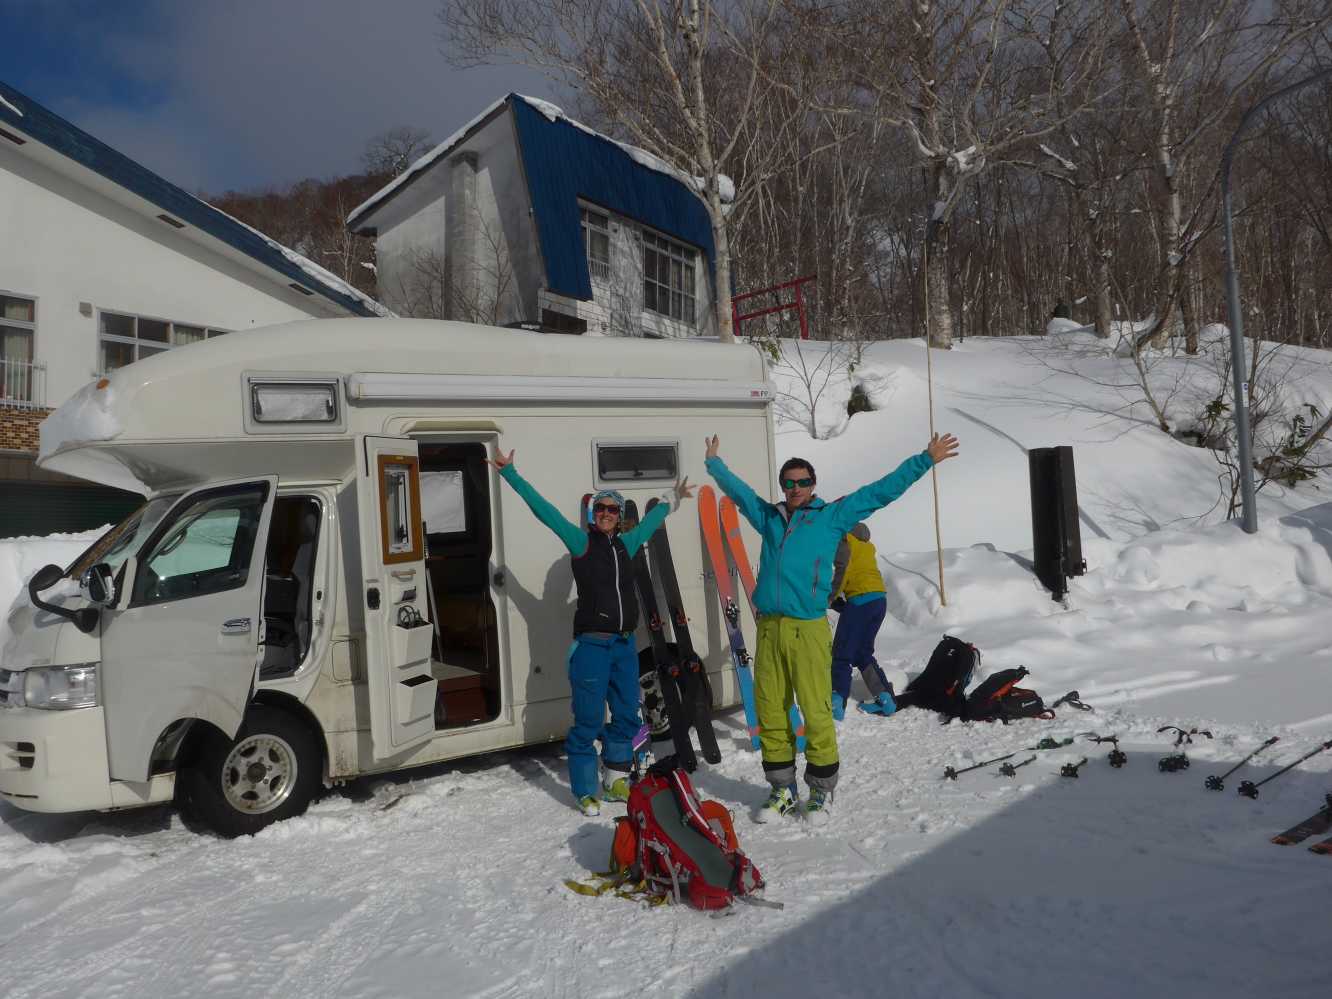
point(679, 847)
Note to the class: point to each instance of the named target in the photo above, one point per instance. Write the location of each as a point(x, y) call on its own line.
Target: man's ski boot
point(817, 805)
point(589, 805)
point(838, 707)
point(782, 801)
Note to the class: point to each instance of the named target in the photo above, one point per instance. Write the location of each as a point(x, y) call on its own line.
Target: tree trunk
point(937, 308)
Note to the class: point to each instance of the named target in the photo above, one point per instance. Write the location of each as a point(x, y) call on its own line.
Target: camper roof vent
point(174, 223)
point(297, 287)
point(12, 137)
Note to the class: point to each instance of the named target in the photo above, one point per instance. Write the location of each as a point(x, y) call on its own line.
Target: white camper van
point(326, 578)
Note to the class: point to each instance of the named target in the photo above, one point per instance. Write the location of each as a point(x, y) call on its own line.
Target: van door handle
point(236, 626)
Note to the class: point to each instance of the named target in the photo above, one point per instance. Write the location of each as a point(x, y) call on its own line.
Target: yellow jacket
point(862, 568)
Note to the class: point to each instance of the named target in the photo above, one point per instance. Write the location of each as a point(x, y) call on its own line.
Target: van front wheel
point(269, 772)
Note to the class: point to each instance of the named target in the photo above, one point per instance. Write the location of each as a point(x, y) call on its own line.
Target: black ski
point(671, 726)
point(1315, 825)
point(1324, 847)
point(697, 691)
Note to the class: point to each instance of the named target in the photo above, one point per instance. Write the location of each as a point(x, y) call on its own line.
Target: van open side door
point(183, 642)
point(398, 631)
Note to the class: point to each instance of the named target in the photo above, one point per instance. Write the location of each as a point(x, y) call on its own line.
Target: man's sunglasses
point(804, 483)
point(606, 508)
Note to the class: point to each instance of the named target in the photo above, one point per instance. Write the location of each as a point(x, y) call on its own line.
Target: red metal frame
point(799, 304)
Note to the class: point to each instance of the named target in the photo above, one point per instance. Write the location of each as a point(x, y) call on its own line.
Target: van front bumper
point(55, 761)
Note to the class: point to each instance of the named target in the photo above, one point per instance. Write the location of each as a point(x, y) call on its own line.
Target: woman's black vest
point(605, 580)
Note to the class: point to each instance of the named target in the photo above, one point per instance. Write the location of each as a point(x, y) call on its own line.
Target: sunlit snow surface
point(1120, 883)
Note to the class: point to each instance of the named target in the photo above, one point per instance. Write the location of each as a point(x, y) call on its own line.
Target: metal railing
point(600, 269)
point(22, 384)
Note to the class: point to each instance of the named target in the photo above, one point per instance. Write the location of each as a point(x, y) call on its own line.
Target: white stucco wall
point(64, 242)
point(412, 226)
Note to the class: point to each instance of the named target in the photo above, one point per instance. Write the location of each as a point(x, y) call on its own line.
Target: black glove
point(839, 604)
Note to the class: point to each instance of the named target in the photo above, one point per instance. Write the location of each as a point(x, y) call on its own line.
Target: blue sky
point(242, 94)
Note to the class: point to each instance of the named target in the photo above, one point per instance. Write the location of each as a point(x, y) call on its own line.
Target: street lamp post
point(1248, 495)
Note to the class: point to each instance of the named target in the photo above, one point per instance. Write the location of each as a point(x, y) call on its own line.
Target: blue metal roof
point(564, 163)
point(51, 130)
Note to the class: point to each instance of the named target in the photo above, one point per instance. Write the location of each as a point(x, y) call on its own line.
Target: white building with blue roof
point(526, 216)
point(103, 262)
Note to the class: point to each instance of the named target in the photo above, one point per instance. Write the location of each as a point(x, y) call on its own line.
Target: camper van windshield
point(124, 539)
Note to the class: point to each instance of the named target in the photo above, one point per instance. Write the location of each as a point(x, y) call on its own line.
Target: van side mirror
point(85, 618)
point(45, 578)
point(99, 585)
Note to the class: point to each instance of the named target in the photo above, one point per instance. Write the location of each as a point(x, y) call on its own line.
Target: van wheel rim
point(259, 774)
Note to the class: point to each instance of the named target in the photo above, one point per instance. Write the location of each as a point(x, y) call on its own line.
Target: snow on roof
point(318, 274)
point(554, 113)
point(11, 107)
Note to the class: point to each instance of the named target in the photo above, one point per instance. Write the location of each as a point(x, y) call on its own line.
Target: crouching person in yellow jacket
point(860, 602)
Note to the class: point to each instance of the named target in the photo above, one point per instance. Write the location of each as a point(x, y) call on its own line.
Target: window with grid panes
point(18, 330)
point(596, 240)
point(668, 278)
point(125, 338)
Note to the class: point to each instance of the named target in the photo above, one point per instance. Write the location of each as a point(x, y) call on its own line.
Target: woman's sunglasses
point(804, 483)
point(606, 508)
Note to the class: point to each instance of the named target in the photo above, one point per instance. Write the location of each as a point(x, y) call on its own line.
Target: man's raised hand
point(942, 448)
point(683, 490)
point(501, 459)
point(713, 443)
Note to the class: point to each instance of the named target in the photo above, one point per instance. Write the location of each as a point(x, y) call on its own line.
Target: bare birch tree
point(1196, 64)
point(962, 79)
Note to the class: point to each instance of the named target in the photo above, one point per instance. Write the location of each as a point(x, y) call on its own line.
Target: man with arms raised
point(800, 537)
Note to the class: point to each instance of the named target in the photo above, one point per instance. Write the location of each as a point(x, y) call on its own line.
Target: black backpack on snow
point(999, 698)
point(942, 685)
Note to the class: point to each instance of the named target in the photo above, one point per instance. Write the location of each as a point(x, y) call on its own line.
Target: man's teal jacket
point(796, 563)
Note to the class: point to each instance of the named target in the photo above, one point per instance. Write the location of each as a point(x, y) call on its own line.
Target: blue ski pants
point(603, 669)
point(857, 627)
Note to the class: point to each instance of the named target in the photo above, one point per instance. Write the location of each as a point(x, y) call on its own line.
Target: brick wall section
point(18, 429)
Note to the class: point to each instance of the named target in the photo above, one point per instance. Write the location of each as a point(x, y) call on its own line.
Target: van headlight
point(60, 687)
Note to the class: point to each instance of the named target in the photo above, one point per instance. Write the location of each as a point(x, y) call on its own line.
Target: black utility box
point(1054, 518)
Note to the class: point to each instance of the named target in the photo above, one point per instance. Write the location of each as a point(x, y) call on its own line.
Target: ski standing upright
point(735, 546)
point(696, 693)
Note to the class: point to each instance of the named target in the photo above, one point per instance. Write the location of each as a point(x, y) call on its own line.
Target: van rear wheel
point(269, 772)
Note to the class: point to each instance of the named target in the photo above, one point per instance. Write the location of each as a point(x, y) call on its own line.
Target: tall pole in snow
point(1239, 369)
point(929, 384)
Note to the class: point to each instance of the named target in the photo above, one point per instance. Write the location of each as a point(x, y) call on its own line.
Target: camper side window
point(400, 508)
point(637, 462)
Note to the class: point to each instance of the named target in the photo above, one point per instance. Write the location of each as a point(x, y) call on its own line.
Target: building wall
point(423, 229)
point(616, 308)
point(76, 251)
point(426, 226)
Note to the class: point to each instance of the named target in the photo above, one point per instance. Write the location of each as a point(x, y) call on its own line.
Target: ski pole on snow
point(1011, 769)
point(1117, 757)
point(1215, 783)
point(951, 774)
point(1071, 769)
point(1046, 743)
point(1250, 790)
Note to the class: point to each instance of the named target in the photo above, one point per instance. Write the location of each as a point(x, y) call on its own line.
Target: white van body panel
point(552, 399)
point(167, 655)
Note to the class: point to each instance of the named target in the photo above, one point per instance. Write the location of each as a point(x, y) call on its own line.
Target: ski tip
point(1322, 849)
point(1283, 841)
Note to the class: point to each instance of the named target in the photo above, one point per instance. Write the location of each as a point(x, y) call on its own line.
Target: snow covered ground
point(1124, 882)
